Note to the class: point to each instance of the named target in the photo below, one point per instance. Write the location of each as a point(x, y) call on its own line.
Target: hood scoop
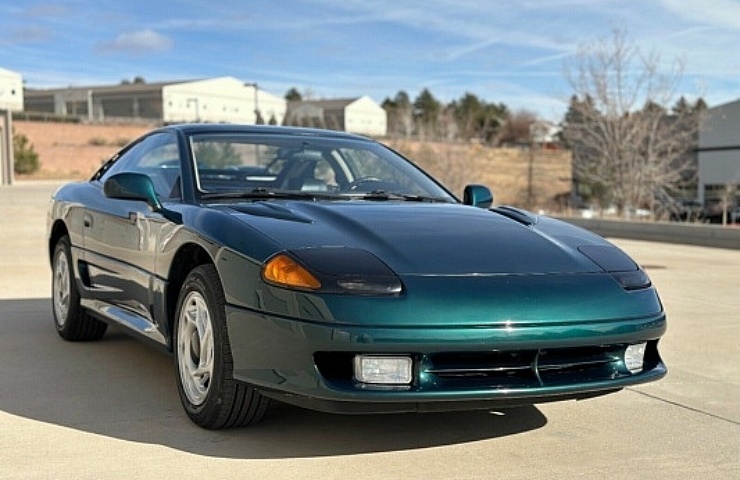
point(517, 214)
point(271, 210)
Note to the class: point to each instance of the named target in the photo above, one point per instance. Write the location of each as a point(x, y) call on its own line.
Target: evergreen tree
point(26, 158)
point(293, 95)
point(400, 115)
point(426, 113)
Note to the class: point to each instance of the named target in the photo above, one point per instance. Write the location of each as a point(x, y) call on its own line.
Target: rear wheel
point(72, 322)
point(208, 392)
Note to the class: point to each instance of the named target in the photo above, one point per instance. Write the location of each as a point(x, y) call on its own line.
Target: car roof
point(210, 128)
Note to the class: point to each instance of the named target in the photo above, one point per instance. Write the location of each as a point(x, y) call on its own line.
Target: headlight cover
point(340, 270)
point(619, 265)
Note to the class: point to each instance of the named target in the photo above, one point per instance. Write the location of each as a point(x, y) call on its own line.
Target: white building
point(11, 90)
point(719, 154)
point(213, 100)
point(357, 115)
point(216, 100)
point(223, 99)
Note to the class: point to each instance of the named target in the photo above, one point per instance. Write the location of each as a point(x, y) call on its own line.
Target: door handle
point(87, 220)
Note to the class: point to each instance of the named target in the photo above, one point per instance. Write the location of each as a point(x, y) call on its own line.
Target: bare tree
point(726, 201)
point(627, 146)
point(517, 128)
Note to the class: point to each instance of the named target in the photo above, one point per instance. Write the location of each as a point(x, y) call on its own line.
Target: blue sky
point(503, 51)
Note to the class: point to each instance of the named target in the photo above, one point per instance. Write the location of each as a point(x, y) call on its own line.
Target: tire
point(71, 320)
point(208, 392)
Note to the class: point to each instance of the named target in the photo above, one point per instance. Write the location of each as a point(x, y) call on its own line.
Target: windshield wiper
point(262, 193)
point(407, 197)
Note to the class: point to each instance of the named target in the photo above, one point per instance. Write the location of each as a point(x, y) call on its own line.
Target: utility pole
point(257, 114)
point(6, 152)
point(530, 167)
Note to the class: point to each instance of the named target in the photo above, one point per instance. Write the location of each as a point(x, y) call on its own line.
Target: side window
point(156, 156)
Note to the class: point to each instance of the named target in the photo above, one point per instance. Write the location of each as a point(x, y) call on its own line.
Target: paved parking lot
point(109, 409)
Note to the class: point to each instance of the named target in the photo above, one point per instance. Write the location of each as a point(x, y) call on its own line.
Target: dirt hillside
point(75, 151)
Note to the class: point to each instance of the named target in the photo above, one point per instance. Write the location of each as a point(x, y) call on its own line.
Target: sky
point(510, 52)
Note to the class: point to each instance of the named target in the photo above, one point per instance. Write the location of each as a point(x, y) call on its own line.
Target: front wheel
point(208, 392)
point(72, 322)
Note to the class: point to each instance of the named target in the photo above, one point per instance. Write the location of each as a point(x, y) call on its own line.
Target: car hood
point(422, 238)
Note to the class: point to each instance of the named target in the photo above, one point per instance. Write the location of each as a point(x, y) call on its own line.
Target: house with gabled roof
point(359, 115)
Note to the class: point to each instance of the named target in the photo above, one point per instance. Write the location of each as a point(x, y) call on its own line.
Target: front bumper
point(455, 368)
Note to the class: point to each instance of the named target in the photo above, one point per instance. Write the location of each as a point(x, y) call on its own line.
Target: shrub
point(26, 158)
point(97, 142)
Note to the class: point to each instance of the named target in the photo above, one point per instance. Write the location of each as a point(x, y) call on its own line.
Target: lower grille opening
point(510, 369)
point(513, 369)
point(528, 368)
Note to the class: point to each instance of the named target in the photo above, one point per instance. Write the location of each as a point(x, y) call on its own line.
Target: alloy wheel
point(62, 288)
point(195, 347)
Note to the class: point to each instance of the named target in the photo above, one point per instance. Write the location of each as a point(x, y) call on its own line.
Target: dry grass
point(504, 170)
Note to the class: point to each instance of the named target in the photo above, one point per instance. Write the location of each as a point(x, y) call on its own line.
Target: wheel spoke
point(206, 345)
point(202, 371)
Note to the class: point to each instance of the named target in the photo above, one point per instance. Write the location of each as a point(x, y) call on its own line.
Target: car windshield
point(280, 166)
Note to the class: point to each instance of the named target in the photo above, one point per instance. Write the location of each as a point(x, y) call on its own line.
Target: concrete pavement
point(109, 409)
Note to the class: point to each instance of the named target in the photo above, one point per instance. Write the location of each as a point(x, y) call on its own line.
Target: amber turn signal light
point(286, 272)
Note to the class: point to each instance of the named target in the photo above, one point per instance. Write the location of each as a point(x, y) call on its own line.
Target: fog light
point(634, 356)
point(385, 370)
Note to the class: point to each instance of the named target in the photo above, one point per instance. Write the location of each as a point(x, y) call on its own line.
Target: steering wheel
point(364, 184)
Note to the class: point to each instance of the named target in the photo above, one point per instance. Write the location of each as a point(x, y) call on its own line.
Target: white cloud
point(138, 43)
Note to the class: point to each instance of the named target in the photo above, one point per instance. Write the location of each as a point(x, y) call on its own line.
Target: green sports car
point(325, 270)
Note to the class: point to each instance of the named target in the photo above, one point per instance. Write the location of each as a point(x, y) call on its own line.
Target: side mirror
point(478, 196)
point(137, 186)
point(132, 186)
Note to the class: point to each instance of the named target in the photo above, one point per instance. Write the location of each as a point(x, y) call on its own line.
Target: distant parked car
point(686, 211)
point(325, 270)
point(714, 214)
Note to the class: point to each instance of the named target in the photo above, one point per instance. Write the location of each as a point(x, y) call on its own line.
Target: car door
point(121, 236)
